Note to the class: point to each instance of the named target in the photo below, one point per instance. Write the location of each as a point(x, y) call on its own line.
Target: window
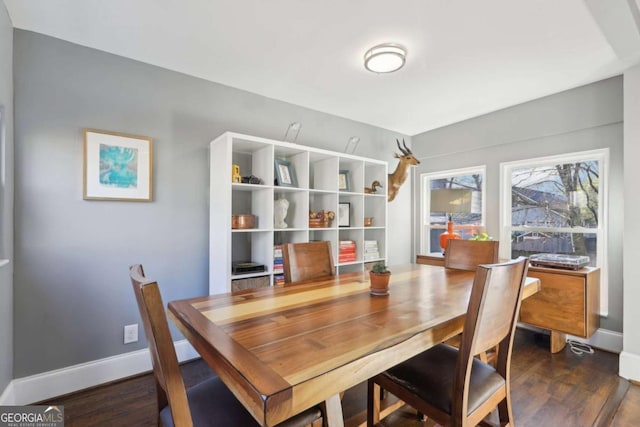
point(467, 223)
point(556, 205)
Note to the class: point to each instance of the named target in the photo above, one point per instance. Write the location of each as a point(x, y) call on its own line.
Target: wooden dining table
point(281, 350)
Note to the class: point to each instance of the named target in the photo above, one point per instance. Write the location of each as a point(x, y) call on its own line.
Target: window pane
point(453, 192)
point(561, 195)
point(534, 242)
point(461, 182)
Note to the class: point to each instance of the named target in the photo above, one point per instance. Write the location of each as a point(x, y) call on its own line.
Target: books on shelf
point(371, 250)
point(278, 267)
point(347, 251)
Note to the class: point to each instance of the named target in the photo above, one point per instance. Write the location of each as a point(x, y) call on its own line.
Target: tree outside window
point(557, 196)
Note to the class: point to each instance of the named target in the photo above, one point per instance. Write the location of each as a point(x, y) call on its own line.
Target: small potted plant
point(379, 277)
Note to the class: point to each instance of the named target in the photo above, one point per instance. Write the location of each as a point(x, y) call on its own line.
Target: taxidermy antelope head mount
point(399, 176)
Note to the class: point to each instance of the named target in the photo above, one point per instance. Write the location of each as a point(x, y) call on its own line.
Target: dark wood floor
point(563, 389)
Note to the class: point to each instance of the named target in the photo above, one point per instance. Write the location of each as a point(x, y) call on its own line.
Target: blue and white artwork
point(118, 166)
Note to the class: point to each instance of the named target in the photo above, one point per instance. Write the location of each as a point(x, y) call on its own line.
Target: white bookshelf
point(316, 173)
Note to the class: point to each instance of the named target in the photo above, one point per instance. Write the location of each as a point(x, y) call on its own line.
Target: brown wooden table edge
point(193, 324)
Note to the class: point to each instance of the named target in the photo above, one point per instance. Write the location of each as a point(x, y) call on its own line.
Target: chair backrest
point(305, 261)
point(169, 383)
point(491, 319)
point(469, 254)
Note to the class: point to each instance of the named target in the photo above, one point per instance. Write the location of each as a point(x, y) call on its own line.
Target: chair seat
point(430, 375)
point(213, 405)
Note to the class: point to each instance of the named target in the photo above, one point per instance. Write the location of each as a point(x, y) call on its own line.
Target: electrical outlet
point(131, 333)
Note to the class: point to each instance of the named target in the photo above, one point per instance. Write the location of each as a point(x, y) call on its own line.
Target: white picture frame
point(117, 166)
point(344, 214)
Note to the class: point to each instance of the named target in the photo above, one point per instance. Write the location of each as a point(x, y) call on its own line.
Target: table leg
point(333, 411)
point(558, 341)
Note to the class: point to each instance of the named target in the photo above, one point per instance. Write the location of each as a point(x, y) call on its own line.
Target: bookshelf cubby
point(316, 175)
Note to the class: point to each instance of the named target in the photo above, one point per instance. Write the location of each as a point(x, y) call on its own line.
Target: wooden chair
point(209, 403)
point(468, 254)
point(305, 261)
point(451, 386)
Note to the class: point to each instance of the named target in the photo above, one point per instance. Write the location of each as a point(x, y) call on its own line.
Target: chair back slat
point(308, 260)
point(500, 299)
point(468, 254)
point(169, 382)
point(492, 312)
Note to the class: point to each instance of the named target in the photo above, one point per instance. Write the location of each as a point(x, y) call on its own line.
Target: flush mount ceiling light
point(385, 58)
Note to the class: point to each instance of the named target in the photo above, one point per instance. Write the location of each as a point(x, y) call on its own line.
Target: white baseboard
point(6, 398)
point(629, 366)
point(35, 388)
point(603, 339)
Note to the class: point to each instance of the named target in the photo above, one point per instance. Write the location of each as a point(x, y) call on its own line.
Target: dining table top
point(284, 349)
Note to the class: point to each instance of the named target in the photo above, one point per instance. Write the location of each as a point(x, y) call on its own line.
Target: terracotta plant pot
point(379, 283)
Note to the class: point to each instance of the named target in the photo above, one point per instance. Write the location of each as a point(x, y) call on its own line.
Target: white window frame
point(601, 155)
point(425, 203)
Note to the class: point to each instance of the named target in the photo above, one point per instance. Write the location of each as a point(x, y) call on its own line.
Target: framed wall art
point(285, 174)
point(343, 181)
point(116, 166)
point(344, 214)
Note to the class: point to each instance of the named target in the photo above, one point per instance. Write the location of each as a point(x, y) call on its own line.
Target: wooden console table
point(567, 303)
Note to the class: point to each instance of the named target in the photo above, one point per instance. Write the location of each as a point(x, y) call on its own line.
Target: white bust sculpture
point(280, 213)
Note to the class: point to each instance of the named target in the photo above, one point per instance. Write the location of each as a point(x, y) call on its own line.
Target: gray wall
point(585, 118)
point(6, 199)
point(72, 292)
point(630, 356)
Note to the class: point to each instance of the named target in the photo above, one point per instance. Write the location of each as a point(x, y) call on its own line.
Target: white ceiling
point(466, 57)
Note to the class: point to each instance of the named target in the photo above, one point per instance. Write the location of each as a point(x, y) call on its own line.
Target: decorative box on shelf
point(318, 223)
point(243, 222)
point(321, 219)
